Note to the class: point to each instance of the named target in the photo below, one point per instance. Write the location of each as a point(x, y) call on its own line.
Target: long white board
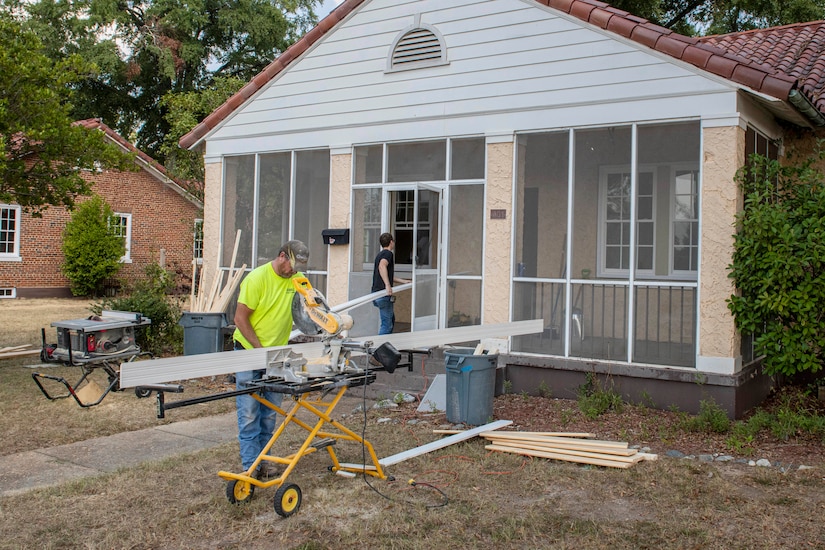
point(170, 369)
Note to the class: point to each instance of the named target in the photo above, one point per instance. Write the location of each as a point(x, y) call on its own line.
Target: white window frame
point(197, 240)
point(601, 264)
point(7, 293)
point(125, 230)
point(672, 273)
point(13, 256)
point(681, 273)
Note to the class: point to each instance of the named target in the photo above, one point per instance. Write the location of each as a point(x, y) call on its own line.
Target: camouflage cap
point(298, 254)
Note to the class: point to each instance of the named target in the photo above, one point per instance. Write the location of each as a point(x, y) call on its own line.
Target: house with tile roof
point(158, 220)
point(552, 159)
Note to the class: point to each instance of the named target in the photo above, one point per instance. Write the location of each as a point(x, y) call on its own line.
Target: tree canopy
point(146, 49)
point(41, 150)
point(706, 17)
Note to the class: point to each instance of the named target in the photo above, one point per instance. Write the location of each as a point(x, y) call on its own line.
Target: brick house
point(157, 216)
point(554, 159)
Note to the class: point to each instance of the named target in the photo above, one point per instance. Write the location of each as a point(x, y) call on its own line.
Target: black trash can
point(471, 384)
point(202, 332)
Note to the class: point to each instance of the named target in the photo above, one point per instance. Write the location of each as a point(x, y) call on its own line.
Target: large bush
point(91, 249)
point(778, 265)
point(151, 297)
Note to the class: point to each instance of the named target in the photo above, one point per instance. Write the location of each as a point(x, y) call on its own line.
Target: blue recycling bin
point(471, 383)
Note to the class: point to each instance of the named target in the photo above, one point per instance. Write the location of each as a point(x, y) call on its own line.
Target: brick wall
point(161, 219)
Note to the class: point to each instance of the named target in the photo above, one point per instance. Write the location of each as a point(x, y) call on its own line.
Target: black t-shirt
point(377, 281)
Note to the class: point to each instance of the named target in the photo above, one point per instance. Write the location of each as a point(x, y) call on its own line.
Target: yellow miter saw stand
point(309, 381)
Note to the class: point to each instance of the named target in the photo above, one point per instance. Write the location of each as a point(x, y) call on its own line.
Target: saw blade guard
point(312, 315)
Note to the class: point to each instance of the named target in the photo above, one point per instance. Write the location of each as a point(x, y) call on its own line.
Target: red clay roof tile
point(773, 61)
point(795, 51)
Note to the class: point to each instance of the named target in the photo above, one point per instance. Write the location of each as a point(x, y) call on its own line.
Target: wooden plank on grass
point(559, 456)
point(627, 456)
point(573, 446)
point(551, 439)
point(552, 434)
point(584, 435)
point(441, 443)
point(22, 353)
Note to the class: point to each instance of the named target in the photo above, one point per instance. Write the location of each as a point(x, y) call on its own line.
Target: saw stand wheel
point(287, 499)
point(239, 491)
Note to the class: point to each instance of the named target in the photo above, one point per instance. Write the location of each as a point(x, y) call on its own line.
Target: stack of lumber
point(17, 351)
point(569, 447)
point(215, 297)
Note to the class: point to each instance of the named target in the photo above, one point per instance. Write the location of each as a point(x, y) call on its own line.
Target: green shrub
point(594, 400)
point(779, 264)
point(150, 297)
point(91, 250)
point(711, 419)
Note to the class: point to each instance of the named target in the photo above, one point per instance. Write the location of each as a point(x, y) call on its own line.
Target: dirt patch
point(661, 431)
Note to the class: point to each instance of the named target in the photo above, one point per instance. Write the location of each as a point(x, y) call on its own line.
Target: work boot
point(269, 470)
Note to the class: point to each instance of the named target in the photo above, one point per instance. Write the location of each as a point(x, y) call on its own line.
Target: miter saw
point(313, 317)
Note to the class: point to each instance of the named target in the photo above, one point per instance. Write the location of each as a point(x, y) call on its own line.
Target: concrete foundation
point(656, 387)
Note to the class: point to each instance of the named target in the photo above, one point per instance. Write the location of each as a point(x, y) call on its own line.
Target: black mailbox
point(335, 236)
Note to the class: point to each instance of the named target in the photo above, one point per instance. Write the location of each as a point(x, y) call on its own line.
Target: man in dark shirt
point(383, 277)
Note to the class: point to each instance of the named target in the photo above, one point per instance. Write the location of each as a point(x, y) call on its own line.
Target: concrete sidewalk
point(52, 466)
point(55, 465)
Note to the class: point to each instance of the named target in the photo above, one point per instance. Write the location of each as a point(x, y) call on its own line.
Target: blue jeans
point(256, 421)
point(385, 313)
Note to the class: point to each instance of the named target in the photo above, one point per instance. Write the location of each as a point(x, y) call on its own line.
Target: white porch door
point(416, 222)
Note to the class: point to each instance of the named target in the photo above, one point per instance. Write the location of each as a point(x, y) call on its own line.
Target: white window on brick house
point(122, 227)
point(9, 232)
point(197, 245)
point(8, 292)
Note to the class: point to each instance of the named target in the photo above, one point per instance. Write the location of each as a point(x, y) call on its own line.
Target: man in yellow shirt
point(263, 318)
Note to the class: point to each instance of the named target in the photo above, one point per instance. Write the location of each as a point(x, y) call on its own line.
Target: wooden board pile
point(17, 351)
point(217, 297)
point(569, 447)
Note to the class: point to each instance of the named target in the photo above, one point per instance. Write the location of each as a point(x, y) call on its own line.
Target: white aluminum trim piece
point(441, 443)
point(159, 371)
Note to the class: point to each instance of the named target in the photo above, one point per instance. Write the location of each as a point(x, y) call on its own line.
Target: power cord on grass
point(411, 482)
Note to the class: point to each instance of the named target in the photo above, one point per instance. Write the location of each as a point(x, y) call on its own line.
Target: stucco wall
point(212, 217)
point(497, 259)
point(719, 342)
point(339, 217)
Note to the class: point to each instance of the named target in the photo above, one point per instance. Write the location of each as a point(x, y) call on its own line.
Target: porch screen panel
point(601, 204)
point(466, 229)
point(312, 204)
point(467, 159)
point(668, 201)
point(541, 205)
point(369, 164)
point(419, 161)
point(273, 204)
point(463, 258)
point(364, 245)
point(463, 302)
point(238, 209)
point(665, 327)
point(534, 300)
point(598, 321)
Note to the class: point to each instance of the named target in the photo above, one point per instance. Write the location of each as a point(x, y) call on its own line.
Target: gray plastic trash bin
point(471, 382)
point(202, 332)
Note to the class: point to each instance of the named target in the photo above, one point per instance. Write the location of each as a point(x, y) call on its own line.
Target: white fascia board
point(548, 117)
